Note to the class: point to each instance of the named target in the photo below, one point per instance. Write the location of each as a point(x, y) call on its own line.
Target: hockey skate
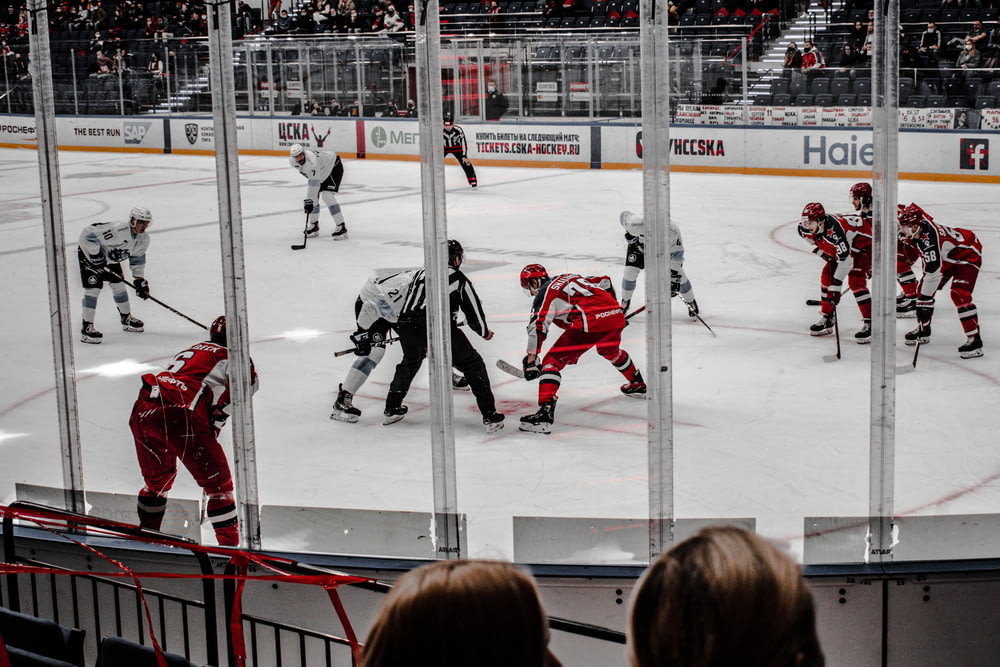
point(313, 230)
point(906, 307)
point(822, 328)
point(493, 422)
point(634, 389)
point(343, 409)
point(459, 382)
point(864, 336)
point(89, 334)
point(922, 335)
point(973, 347)
point(340, 233)
point(541, 421)
point(130, 323)
point(393, 415)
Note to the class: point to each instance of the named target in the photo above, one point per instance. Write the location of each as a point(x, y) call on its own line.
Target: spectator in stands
point(354, 24)
point(392, 22)
point(377, 23)
point(930, 45)
point(908, 60)
point(496, 102)
point(283, 24)
point(103, 65)
point(969, 58)
point(20, 67)
point(793, 60)
point(849, 61)
point(812, 59)
point(96, 42)
point(703, 601)
point(869, 45)
point(991, 51)
point(155, 66)
point(858, 35)
point(455, 613)
point(673, 14)
point(411, 18)
point(411, 109)
point(334, 108)
point(121, 60)
point(391, 110)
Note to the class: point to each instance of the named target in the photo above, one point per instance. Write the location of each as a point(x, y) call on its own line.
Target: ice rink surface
point(764, 428)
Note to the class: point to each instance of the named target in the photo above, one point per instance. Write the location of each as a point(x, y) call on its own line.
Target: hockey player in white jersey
point(102, 248)
point(635, 261)
point(377, 312)
point(324, 171)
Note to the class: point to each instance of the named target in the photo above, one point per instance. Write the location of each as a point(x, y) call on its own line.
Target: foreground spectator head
point(461, 612)
point(723, 597)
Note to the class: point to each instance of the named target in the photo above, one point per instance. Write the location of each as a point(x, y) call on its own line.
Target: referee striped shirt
point(461, 295)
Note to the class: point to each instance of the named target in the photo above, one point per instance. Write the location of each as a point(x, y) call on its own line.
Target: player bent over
point(178, 415)
point(906, 254)
point(412, 327)
point(103, 246)
point(591, 316)
point(635, 261)
point(948, 253)
point(324, 171)
point(848, 239)
point(377, 312)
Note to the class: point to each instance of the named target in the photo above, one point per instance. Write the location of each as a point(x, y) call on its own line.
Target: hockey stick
point(836, 334)
point(305, 236)
point(706, 325)
point(351, 349)
point(172, 310)
point(910, 367)
point(518, 372)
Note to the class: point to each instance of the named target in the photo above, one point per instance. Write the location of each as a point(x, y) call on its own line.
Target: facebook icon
point(974, 154)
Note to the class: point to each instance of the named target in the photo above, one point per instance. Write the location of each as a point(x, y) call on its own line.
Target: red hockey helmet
point(217, 332)
point(814, 211)
point(533, 272)
point(911, 219)
point(862, 191)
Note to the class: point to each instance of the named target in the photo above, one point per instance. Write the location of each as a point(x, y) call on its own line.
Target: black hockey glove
point(362, 343)
point(675, 283)
point(142, 288)
point(117, 255)
point(531, 369)
point(308, 205)
point(625, 305)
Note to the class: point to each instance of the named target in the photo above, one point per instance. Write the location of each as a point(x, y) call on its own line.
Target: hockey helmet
point(813, 211)
point(140, 214)
point(296, 150)
point(455, 251)
point(533, 272)
point(862, 191)
point(911, 219)
point(217, 332)
point(633, 224)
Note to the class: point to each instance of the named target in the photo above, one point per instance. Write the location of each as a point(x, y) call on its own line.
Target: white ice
point(763, 428)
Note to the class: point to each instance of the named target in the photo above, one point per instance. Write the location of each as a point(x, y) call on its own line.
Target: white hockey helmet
point(633, 224)
point(296, 150)
point(141, 214)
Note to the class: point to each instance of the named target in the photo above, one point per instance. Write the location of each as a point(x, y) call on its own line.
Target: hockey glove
point(362, 343)
point(925, 310)
point(833, 293)
point(142, 288)
point(625, 305)
point(308, 205)
point(675, 283)
point(218, 419)
point(532, 369)
point(117, 255)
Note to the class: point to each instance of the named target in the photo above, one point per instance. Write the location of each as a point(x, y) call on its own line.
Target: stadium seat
point(862, 86)
point(916, 101)
point(986, 102)
point(782, 100)
point(779, 86)
point(797, 86)
point(118, 652)
point(864, 99)
point(847, 100)
point(840, 86)
point(42, 637)
point(937, 101)
point(973, 87)
point(824, 100)
point(804, 100)
point(819, 86)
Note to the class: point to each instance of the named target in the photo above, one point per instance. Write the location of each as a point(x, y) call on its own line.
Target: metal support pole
point(885, 126)
point(450, 543)
point(655, 71)
point(233, 270)
point(60, 318)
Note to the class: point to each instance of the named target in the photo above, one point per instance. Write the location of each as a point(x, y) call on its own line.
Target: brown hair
point(723, 597)
point(460, 612)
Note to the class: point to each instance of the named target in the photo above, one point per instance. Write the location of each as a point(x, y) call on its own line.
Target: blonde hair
point(460, 612)
point(723, 597)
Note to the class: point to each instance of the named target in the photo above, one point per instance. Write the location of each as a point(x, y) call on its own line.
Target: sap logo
point(839, 153)
point(974, 154)
point(135, 131)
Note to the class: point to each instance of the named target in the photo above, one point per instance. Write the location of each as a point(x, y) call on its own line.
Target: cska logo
point(191, 132)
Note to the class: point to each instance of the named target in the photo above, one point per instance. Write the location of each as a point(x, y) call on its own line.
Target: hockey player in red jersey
point(906, 253)
point(178, 415)
point(948, 254)
point(587, 309)
point(849, 240)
